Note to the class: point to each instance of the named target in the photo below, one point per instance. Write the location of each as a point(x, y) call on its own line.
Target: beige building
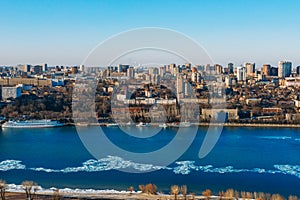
point(230, 114)
point(291, 81)
point(250, 69)
point(25, 81)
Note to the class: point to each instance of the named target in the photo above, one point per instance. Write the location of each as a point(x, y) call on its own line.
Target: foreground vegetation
point(148, 191)
point(181, 192)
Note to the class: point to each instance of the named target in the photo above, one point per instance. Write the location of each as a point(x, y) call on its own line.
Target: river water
point(246, 159)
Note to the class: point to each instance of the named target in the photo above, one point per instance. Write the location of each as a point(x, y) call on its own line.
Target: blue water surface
point(247, 159)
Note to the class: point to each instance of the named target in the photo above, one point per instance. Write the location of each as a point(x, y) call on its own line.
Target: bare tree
point(221, 195)
point(249, 195)
point(142, 188)
point(229, 193)
point(183, 190)
point(192, 195)
point(2, 189)
point(207, 193)
point(277, 197)
point(268, 196)
point(28, 187)
point(255, 195)
point(151, 188)
point(292, 197)
point(130, 189)
point(175, 190)
point(56, 195)
point(261, 196)
point(236, 194)
point(243, 195)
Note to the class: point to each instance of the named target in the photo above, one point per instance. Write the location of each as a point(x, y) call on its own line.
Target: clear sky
point(63, 32)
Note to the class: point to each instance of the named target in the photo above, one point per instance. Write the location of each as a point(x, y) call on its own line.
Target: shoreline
point(172, 125)
point(110, 196)
point(204, 124)
point(16, 192)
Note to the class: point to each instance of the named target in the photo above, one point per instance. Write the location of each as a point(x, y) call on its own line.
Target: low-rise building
point(213, 114)
point(253, 101)
point(271, 110)
point(291, 81)
point(11, 92)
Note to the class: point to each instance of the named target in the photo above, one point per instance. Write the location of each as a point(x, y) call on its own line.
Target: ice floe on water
point(289, 169)
point(179, 167)
point(279, 138)
point(110, 163)
point(104, 164)
point(185, 167)
point(11, 164)
point(276, 137)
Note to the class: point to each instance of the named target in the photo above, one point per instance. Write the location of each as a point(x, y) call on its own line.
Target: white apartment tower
point(241, 73)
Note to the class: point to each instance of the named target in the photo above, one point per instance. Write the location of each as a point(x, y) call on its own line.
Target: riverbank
point(251, 125)
point(200, 124)
point(111, 196)
point(89, 194)
point(15, 192)
point(204, 125)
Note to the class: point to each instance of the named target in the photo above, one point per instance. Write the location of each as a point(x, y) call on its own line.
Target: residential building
point(241, 73)
point(213, 114)
point(298, 70)
point(250, 69)
point(122, 68)
point(266, 69)
point(44, 67)
point(130, 72)
point(230, 68)
point(11, 92)
point(284, 69)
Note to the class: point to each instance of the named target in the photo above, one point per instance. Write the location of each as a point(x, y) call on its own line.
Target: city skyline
point(230, 31)
point(253, 65)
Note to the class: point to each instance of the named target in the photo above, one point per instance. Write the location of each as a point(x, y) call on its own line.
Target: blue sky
point(63, 32)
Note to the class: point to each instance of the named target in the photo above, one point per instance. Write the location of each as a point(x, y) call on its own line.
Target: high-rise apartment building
point(162, 71)
point(218, 69)
point(266, 70)
point(153, 70)
point(196, 77)
point(122, 68)
point(44, 67)
point(24, 68)
point(298, 70)
point(37, 69)
point(230, 68)
point(81, 68)
point(284, 69)
point(241, 73)
point(180, 85)
point(131, 72)
point(274, 71)
point(250, 69)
